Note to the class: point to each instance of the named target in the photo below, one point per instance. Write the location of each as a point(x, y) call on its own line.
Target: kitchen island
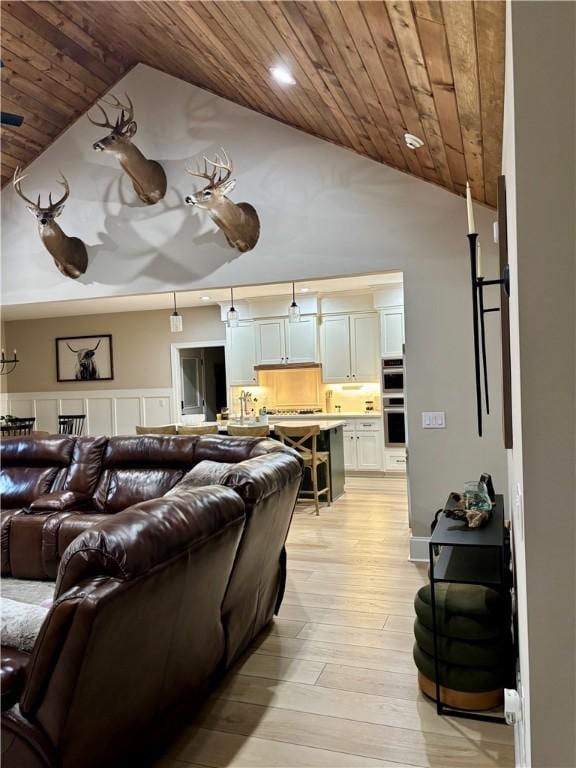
point(330, 439)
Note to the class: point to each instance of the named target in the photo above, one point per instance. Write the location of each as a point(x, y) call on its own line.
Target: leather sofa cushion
point(85, 465)
point(12, 675)
point(231, 450)
point(31, 467)
point(59, 501)
point(74, 525)
point(132, 542)
point(121, 488)
point(6, 516)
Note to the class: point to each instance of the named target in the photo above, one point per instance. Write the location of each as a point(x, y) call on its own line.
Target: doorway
point(199, 381)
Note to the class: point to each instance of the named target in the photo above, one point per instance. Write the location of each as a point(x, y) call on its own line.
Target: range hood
point(285, 366)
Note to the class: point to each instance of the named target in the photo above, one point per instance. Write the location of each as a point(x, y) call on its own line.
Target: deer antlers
point(17, 181)
point(220, 173)
point(122, 120)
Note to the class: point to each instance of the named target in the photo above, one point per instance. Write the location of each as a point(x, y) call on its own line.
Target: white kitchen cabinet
point(392, 330)
point(279, 341)
point(364, 337)
point(270, 341)
point(395, 460)
point(350, 348)
point(301, 340)
point(240, 354)
point(363, 443)
point(335, 348)
point(368, 450)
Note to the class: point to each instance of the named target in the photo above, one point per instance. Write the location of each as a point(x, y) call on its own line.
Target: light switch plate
point(434, 420)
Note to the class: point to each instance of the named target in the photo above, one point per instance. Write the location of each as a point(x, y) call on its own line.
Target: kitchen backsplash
point(295, 389)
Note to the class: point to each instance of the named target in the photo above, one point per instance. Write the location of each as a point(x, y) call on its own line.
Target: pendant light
point(293, 309)
point(175, 319)
point(232, 315)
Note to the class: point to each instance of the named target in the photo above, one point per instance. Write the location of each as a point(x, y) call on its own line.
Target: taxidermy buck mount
point(148, 176)
point(238, 221)
point(69, 253)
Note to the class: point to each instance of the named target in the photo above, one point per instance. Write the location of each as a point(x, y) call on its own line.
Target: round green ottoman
point(465, 653)
point(462, 687)
point(463, 611)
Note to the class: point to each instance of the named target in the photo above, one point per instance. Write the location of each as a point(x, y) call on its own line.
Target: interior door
point(301, 343)
point(191, 381)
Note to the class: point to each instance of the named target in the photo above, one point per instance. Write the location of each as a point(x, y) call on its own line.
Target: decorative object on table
point(473, 507)
point(293, 309)
point(147, 176)
point(232, 316)
point(464, 650)
point(69, 253)
point(8, 364)
point(176, 319)
point(238, 221)
point(479, 310)
point(84, 358)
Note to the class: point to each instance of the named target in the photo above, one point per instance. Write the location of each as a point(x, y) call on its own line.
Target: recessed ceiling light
point(413, 142)
point(304, 290)
point(205, 298)
point(282, 75)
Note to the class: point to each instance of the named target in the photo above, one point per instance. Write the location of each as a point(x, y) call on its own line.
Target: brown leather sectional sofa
point(160, 584)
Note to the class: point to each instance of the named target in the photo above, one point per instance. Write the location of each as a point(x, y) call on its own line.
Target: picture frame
point(84, 358)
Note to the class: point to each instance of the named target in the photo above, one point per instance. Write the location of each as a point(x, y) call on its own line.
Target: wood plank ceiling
point(366, 72)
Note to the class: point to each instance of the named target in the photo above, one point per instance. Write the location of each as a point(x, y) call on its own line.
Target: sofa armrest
point(257, 478)
point(59, 501)
point(12, 675)
point(134, 541)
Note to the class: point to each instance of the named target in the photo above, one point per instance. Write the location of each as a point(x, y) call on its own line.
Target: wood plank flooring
point(331, 683)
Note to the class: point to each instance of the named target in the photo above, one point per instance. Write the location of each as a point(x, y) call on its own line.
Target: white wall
point(540, 166)
point(325, 212)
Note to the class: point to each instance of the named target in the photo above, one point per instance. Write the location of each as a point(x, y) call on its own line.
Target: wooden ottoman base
point(461, 699)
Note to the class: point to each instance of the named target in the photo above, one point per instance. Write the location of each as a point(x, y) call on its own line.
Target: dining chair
point(71, 424)
point(198, 429)
point(241, 430)
point(303, 438)
point(167, 429)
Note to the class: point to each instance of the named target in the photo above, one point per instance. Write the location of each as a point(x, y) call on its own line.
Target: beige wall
point(540, 165)
point(141, 343)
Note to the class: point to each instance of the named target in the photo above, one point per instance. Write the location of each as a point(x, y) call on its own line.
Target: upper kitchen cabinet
point(241, 354)
point(392, 330)
point(280, 342)
point(350, 347)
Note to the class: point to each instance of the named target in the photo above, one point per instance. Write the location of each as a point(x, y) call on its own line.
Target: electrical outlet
point(434, 420)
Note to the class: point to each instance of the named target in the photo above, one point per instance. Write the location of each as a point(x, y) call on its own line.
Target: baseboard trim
point(419, 549)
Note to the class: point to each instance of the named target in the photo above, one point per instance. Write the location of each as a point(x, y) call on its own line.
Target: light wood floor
point(332, 683)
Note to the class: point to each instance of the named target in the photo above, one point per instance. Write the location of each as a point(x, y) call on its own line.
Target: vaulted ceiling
point(366, 72)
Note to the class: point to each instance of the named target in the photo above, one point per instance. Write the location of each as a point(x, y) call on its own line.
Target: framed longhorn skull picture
point(84, 358)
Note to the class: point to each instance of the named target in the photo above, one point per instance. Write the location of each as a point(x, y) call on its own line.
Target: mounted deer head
point(69, 253)
point(148, 177)
point(238, 221)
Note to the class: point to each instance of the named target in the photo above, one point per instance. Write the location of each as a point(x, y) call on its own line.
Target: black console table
point(463, 555)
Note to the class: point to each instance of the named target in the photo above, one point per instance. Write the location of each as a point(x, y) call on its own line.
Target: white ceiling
point(149, 301)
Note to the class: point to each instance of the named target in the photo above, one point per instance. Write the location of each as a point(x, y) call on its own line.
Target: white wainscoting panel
point(157, 411)
point(46, 411)
point(108, 411)
point(128, 413)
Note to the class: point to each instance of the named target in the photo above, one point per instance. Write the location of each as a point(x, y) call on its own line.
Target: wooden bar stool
point(199, 429)
point(239, 430)
point(296, 437)
point(167, 429)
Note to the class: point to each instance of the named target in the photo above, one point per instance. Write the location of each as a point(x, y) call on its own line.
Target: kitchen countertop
point(324, 424)
point(323, 415)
